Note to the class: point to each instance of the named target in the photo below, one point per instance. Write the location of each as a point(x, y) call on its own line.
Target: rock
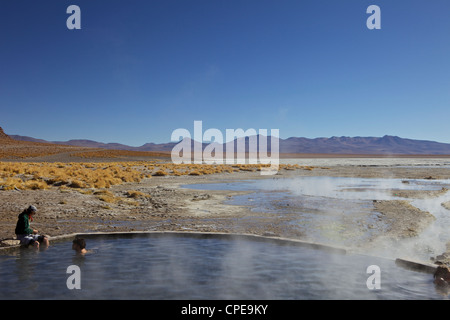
point(446, 205)
point(10, 242)
point(201, 197)
point(441, 257)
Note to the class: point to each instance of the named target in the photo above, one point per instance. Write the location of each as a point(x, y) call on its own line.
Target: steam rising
point(356, 192)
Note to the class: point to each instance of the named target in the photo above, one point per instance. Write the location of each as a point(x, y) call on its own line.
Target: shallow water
point(185, 267)
point(339, 210)
point(368, 162)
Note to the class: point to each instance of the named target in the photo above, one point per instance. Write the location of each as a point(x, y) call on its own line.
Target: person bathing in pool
point(79, 245)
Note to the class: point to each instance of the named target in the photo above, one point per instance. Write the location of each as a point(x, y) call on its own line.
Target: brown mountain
point(11, 148)
point(3, 135)
point(386, 145)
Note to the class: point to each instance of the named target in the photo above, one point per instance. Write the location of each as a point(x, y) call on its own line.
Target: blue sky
point(138, 70)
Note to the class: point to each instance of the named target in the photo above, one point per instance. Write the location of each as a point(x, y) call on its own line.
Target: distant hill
point(30, 148)
point(363, 145)
point(386, 145)
point(3, 135)
point(94, 144)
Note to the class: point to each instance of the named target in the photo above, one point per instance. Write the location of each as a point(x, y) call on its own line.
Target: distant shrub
point(85, 191)
point(129, 202)
point(107, 198)
point(136, 194)
point(104, 193)
point(12, 183)
point(77, 184)
point(35, 185)
point(160, 173)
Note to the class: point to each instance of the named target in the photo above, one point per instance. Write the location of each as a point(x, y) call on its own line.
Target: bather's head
point(78, 244)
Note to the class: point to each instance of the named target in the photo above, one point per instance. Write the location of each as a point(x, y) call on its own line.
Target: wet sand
point(163, 205)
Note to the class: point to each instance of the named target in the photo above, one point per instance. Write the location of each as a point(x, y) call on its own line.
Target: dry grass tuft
point(137, 194)
point(160, 173)
point(107, 197)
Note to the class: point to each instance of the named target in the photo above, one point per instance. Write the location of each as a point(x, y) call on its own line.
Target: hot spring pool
point(183, 266)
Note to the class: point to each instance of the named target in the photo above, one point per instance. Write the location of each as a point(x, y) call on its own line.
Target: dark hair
point(80, 242)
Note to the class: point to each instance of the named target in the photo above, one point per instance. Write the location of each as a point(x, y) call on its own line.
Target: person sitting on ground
point(25, 233)
point(79, 245)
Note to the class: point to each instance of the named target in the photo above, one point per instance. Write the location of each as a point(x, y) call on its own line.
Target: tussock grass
point(103, 193)
point(108, 199)
point(136, 194)
point(35, 185)
point(106, 196)
point(72, 175)
point(94, 176)
point(160, 173)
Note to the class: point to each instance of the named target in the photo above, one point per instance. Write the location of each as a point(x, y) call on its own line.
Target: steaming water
point(185, 267)
point(339, 210)
point(383, 162)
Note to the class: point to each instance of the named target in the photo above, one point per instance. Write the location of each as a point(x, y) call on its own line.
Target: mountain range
point(386, 145)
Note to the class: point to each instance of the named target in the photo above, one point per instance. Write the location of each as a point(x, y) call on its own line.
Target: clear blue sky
point(137, 70)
